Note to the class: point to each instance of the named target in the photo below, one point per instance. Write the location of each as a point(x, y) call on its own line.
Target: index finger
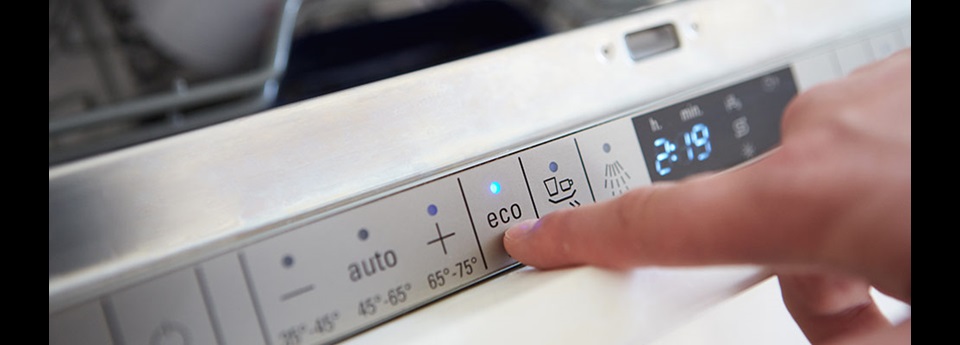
point(716, 219)
point(835, 194)
point(772, 212)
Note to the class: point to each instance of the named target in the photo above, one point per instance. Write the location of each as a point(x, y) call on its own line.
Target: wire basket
point(111, 86)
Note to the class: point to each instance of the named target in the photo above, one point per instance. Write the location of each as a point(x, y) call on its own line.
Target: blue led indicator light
point(553, 167)
point(432, 210)
point(495, 187)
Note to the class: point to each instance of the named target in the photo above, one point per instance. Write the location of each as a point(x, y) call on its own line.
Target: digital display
point(717, 130)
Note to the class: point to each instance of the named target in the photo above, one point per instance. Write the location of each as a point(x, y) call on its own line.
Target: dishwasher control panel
point(339, 275)
point(327, 278)
point(344, 273)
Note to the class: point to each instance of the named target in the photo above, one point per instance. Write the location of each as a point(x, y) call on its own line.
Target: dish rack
point(113, 86)
point(129, 91)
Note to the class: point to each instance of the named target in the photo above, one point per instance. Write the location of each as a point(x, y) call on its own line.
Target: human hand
point(829, 211)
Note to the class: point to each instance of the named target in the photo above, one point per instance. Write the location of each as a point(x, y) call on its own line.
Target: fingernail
point(522, 229)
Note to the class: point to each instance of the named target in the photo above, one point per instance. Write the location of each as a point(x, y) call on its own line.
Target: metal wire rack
point(132, 92)
point(112, 86)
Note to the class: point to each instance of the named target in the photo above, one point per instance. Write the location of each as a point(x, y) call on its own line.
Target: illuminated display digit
point(701, 139)
point(664, 156)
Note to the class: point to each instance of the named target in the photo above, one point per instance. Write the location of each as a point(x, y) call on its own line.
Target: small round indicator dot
point(606, 147)
point(432, 210)
point(553, 166)
point(606, 53)
point(495, 187)
point(287, 261)
point(363, 234)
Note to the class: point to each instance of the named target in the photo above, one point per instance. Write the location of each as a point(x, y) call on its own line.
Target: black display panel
point(717, 130)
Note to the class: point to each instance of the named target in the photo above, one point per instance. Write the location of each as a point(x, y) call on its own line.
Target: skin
point(828, 211)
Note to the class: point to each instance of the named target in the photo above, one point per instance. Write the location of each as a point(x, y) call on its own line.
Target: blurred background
point(124, 72)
